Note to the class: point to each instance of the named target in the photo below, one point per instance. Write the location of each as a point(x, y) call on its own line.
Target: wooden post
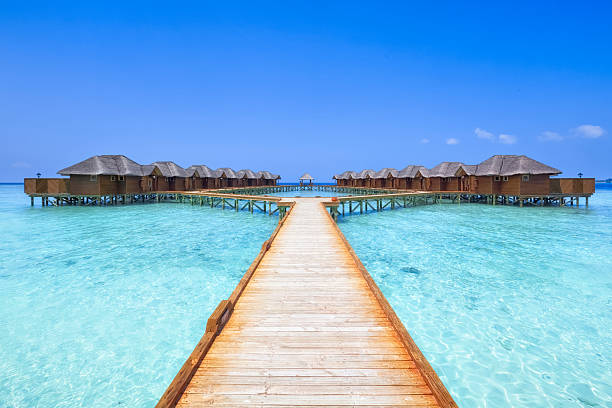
point(32, 201)
point(587, 202)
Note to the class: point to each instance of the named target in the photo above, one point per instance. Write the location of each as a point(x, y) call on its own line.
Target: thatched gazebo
point(306, 177)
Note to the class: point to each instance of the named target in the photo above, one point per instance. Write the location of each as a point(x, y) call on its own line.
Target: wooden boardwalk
point(310, 330)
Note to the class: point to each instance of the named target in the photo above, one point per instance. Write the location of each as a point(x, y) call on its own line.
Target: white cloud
point(507, 139)
point(589, 131)
point(483, 134)
point(502, 138)
point(452, 141)
point(424, 140)
point(21, 165)
point(548, 136)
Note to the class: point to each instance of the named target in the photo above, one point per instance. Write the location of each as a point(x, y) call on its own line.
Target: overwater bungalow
point(247, 178)
point(193, 179)
point(227, 177)
point(406, 178)
point(422, 180)
point(443, 177)
point(365, 178)
point(346, 179)
point(511, 175)
point(106, 175)
point(467, 177)
point(173, 177)
point(385, 178)
point(267, 178)
point(207, 177)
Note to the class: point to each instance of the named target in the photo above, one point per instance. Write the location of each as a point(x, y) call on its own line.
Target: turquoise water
point(100, 307)
point(512, 306)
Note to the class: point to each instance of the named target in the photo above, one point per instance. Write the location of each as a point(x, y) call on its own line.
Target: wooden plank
point(408, 377)
point(205, 400)
point(309, 389)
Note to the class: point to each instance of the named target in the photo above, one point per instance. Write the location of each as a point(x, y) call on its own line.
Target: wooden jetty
point(236, 202)
point(360, 204)
point(306, 326)
point(282, 188)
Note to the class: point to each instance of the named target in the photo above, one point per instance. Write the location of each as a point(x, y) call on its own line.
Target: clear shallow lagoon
point(101, 306)
point(512, 306)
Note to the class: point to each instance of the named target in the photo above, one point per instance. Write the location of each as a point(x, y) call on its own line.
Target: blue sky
point(305, 86)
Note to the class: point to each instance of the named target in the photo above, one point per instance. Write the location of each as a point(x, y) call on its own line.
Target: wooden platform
point(310, 330)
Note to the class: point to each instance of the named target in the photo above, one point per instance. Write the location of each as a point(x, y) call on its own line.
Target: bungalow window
point(93, 177)
point(505, 178)
point(121, 178)
point(497, 178)
point(525, 177)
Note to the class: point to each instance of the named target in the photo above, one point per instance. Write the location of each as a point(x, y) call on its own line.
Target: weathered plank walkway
point(310, 329)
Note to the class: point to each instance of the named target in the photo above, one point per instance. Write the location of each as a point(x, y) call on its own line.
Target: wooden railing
point(46, 185)
point(572, 186)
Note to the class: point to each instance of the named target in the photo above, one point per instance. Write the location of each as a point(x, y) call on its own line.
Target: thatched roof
point(246, 173)
point(203, 170)
point(365, 174)
point(469, 169)
point(422, 172)
point(148, 169)
point(306, 176)
point(409, 171)
point(345, 175)
point(227, 172)
point(510, 165)
point(267, 175)
point(113, 165)
point(445, 169)
point(170, 169)
point(499, 165)
point(384, 173)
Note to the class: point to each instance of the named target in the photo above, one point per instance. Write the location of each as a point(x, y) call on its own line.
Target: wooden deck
point(310, 329)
